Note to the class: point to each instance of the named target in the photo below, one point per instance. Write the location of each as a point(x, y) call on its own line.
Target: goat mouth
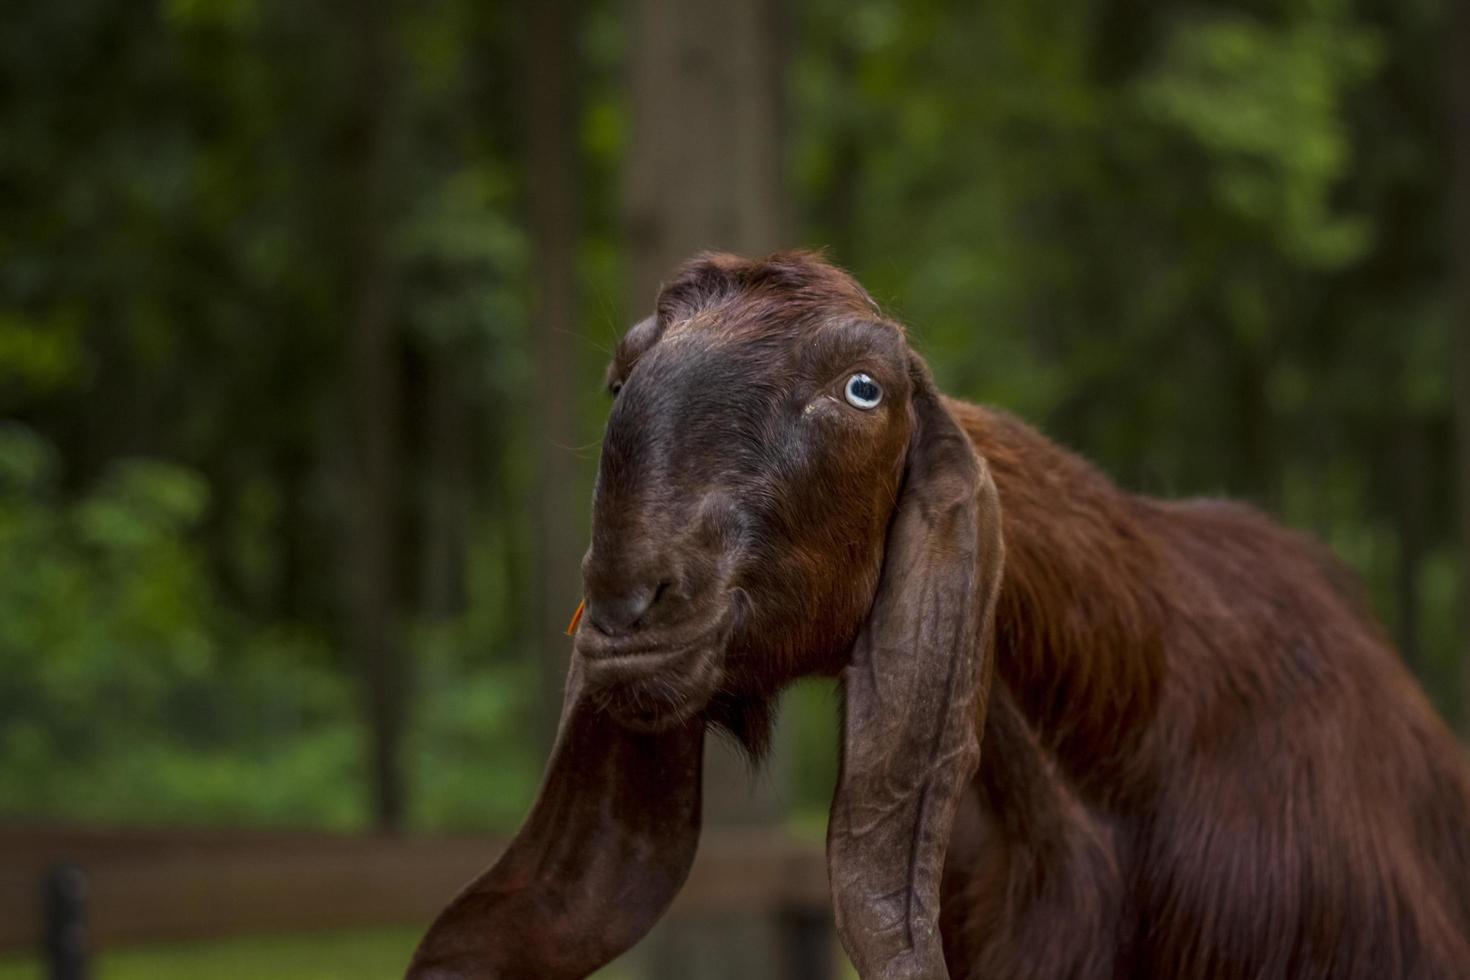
point(656, 682)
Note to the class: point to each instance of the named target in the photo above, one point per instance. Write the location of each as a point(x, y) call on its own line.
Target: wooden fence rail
point(145, 885)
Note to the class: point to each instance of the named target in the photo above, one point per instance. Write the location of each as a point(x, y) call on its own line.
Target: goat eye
point(614, 388)
point(863, 392)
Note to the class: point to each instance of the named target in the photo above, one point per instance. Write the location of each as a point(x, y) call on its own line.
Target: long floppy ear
point(915, 692)
point(608, 844)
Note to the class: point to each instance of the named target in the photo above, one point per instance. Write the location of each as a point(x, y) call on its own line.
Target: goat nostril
point(624, 613)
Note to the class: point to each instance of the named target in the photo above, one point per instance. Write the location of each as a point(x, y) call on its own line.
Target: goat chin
point(655, 683)
point(657, 698)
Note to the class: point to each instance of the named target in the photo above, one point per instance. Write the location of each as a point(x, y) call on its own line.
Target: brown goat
point(1201, 758)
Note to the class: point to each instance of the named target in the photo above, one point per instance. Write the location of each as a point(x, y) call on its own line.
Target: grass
point(381, 953)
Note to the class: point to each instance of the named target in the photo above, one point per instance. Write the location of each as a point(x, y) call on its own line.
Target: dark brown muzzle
point(630, 588)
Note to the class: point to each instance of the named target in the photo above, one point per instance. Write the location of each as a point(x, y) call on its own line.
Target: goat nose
point(621, 611)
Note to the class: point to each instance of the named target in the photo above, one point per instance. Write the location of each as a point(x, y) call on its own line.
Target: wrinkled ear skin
point(914, 696)
point(606, 847)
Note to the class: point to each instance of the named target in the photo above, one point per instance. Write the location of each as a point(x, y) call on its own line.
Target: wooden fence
point(146, 885)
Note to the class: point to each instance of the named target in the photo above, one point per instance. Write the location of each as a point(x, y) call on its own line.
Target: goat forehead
point(711, 402)
point(693, 404)
point(737, 323)
point(718, 369)
point(765, 342)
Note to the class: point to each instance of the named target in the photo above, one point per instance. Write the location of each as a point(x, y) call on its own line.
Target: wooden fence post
point(64, 901)
point(807, 943)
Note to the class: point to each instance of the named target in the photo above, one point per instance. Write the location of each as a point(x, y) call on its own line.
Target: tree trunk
point(373, 402)
point(442, 504)
point(705, 171)
point(1458, 37)
point(705, 166)
point(552, 199)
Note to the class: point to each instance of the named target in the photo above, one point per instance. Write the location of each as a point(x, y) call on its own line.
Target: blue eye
point(863, 392)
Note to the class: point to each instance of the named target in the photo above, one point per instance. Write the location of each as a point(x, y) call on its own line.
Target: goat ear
point(606, 847)
point(914, 699)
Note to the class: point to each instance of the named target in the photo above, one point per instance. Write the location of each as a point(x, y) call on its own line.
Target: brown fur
point(1202, 760)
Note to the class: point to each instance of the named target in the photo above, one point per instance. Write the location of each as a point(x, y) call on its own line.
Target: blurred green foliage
point(1199, 241)
point(127, 690)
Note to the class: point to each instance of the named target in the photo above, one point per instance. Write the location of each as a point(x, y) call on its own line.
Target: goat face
point(749, 469)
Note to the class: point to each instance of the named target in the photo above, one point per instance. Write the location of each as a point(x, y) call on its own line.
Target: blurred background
point(304, 308)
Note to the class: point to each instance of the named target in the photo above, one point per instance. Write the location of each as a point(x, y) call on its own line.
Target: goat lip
point(651, 684)
point(652, 649)
point(645, 661)
point(604, 657)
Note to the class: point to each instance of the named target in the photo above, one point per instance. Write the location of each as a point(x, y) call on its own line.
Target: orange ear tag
point(576, 618)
